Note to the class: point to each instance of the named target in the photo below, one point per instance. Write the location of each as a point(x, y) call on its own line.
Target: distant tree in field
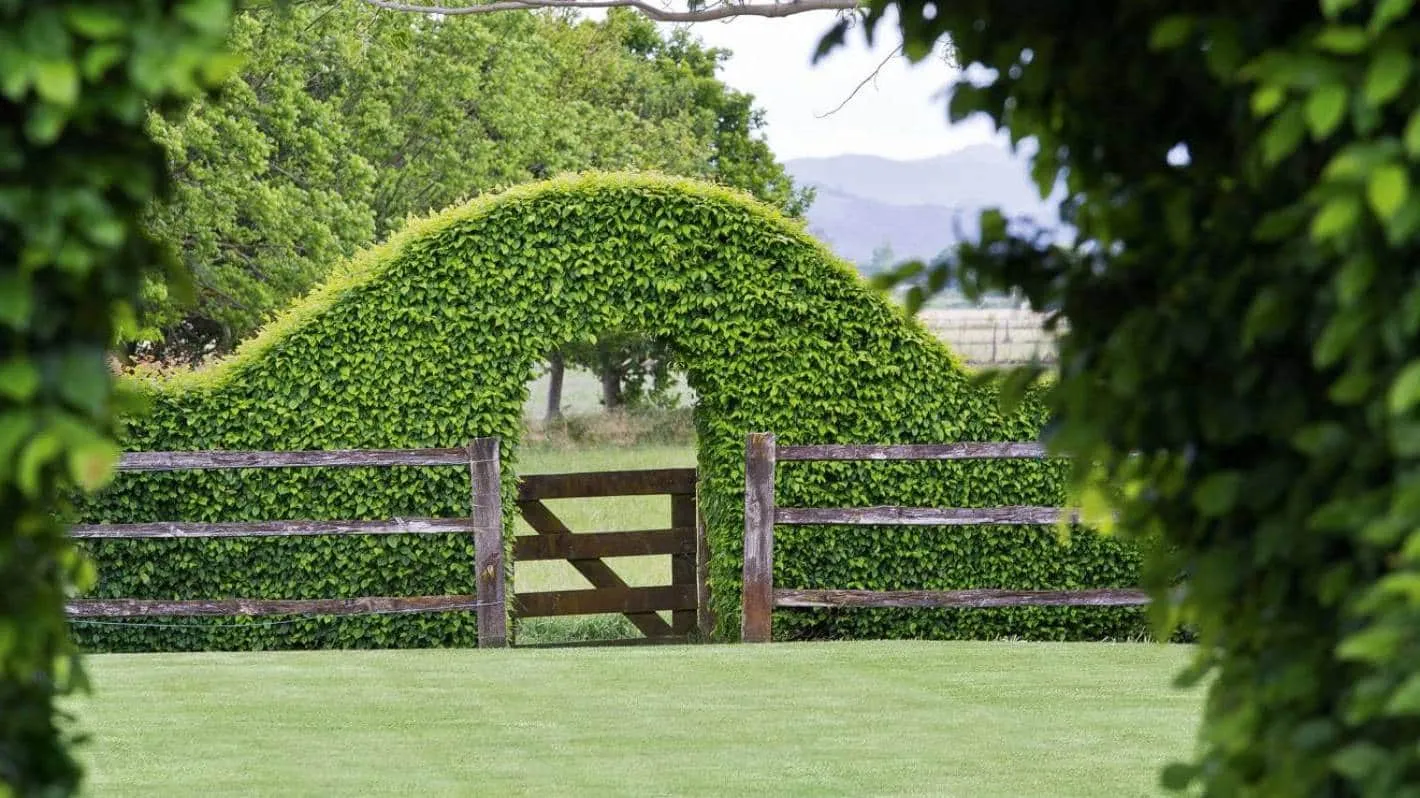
point(881, 260)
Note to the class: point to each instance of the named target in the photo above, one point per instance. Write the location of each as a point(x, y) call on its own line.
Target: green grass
point(814, 719)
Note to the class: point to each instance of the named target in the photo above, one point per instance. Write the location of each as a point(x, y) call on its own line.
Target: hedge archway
point(431, 338)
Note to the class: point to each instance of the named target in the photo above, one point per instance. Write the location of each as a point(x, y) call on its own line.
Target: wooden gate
point(685, 597)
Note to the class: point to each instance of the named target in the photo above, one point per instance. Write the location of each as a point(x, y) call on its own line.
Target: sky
point(902, 114)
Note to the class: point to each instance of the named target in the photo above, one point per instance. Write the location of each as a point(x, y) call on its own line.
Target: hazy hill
point(867, 200)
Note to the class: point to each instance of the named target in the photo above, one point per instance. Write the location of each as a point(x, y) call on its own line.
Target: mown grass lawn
point(813, 719)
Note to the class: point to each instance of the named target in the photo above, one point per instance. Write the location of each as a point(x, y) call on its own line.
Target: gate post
point(490, 576)
point(757, 606)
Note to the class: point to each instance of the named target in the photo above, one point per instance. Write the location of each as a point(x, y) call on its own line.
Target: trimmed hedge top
point(431, 339)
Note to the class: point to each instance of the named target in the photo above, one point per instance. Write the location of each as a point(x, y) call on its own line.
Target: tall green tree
point(1240, 376)
point(345, 121)
point(76, 173)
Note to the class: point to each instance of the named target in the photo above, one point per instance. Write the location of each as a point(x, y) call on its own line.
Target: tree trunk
point(554, 387)
point(610, 376)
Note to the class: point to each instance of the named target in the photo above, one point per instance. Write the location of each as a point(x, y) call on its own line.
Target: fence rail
point(685, 598)
point(760, 598)
point(480, 456)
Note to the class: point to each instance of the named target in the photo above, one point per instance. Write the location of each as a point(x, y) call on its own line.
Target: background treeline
point(344, 121)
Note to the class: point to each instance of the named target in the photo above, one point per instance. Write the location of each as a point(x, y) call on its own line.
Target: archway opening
point(616, 406)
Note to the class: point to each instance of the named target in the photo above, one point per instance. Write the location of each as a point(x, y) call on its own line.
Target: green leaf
point(57, 82)
point(1171, 32)
point(1333, 8)
point(1345, 39)
point(15, 301)
point(1358, 760)
point(1412, 135)
point(1267, 99)
point(1336, 217)
point(1387, 75)
point(91, 464)
point(1387, 11)
point(1388, 189)
point(208, 16)
point(1326, 106)
point(44, 124)
point(19, 379)
point(94, 21)
point(1376, 644)
point(1177, 776)
point(1283, 135)
point(1405, 389)
point(84, 380)
point(1217, 493)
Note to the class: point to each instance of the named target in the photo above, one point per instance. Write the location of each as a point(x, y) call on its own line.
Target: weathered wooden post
point(758, 601)
point(484, 472)
point(683, 570)
point(704, 619)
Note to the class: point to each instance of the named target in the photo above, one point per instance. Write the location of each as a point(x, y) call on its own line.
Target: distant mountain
point(918, 207)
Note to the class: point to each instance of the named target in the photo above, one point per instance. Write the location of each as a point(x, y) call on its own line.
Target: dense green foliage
point(345, 121)
point(76, 172)
point(430, 339)
point(1244, 317)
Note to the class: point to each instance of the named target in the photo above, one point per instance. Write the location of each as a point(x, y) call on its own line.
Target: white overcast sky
point(902, 114)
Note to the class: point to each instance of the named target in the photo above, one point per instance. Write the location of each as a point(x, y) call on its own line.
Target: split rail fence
point(685, 598)
point(762, 453)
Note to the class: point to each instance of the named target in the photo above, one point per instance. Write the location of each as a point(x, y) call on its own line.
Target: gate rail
point(684, 541)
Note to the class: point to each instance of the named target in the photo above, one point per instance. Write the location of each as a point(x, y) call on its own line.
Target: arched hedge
point(431, 338)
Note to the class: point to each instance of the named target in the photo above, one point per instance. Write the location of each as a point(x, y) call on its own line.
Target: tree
point(1238, 379)
point(345, 121)
point(882, 260)
point(694, 12)
point(76, 173)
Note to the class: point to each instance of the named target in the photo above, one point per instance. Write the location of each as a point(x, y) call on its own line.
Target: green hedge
point(431, 339)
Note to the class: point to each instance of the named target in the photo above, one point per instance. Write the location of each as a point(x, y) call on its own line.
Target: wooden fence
point(684, 541)
point(485, 524)
point(762, 453)
point(685, 598)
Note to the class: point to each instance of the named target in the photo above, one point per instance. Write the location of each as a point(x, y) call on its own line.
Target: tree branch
point(865, 81)
point(657, 13)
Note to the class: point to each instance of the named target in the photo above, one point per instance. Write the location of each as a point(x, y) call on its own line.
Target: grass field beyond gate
point(852, 719)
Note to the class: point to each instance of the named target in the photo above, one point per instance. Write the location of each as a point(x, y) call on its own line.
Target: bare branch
point(872, 76)
point(655, 12)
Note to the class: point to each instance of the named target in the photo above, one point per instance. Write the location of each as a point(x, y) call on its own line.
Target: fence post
point(704, 620)
point(487, 499)
point(683, 570)
point(758, 602)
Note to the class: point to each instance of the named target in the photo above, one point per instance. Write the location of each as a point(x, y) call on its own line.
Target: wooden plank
point(1104, 597)
point(485, 465)
point(758, 602)
point(683, 563)
point(621, 641)
point(605, 600)
point(597, 572)
point(911, 451)
point(582, 545)
point(266, 529)
point(705, 619)
point(648, 482)
point(180, 461)
point(135, 608)
point(922, 516)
